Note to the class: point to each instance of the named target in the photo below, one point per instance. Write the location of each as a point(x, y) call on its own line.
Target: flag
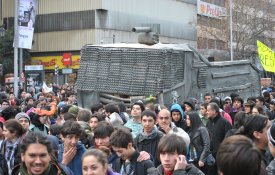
point(266, 56)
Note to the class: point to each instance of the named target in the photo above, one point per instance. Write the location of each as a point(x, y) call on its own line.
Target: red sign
point(67, 59)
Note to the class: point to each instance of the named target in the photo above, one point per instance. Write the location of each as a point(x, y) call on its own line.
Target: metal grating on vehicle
point(131, 71)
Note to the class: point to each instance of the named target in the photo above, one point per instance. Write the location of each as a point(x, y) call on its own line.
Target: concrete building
point(64, 26)
point(251, 19)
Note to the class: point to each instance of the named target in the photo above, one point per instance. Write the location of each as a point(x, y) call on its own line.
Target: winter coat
point(271, 168)
point(115, 120)
point(178, 131)
point(139, 168)
point(200, 140)
point(110, 172)
point(76, 163)
point(189, 170)
point(217, 128)
point(149, 143)
point(134, 126)
point(55, 169)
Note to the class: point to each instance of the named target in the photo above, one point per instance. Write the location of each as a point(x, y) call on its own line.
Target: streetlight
point(231, 30)
point(2, 31)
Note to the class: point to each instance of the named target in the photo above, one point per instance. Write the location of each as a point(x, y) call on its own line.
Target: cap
point(74, 110)
point(190, 103)
point(22, 115)
point(227, 98)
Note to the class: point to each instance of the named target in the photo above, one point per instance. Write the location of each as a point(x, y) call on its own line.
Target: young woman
point(199, 147)
point(95, 162)
point(13, 132)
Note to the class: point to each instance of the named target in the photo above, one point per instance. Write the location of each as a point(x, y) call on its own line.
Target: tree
point(253, 20)
point(7, 52)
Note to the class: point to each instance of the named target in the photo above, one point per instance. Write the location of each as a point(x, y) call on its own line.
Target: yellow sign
point(50, 61)
point(267, 57)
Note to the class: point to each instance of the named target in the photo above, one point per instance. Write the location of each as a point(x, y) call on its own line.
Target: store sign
point(67, 71)
point(67, 59)
point(210, 10)
point(50, 61)
point(33, 67)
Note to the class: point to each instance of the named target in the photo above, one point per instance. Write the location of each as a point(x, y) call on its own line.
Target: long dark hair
point(36, 137)
point(253, 123)
point(195, 120)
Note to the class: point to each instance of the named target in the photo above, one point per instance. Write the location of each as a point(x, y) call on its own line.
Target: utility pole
point(231, 30)
point(15, 86)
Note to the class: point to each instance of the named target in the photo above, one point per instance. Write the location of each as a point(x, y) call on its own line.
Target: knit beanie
point(22, 115)
point(271, 135)
point(74, 110)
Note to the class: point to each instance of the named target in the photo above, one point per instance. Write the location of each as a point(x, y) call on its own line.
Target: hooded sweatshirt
point(181, 123)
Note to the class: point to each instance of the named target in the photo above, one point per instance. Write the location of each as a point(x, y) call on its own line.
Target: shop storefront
point(61, 68)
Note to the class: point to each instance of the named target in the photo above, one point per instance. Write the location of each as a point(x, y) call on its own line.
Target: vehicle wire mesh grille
point(130, 71)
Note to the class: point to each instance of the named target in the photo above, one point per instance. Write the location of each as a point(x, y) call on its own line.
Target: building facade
point(62, 27)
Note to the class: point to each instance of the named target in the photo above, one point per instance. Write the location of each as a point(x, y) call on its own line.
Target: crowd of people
point(48, 134)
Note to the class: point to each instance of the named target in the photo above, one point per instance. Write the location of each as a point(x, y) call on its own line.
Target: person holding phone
point(172, 154)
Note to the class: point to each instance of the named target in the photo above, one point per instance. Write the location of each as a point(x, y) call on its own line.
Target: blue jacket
point(76, 164)
point(181, 123)
point(179, 109)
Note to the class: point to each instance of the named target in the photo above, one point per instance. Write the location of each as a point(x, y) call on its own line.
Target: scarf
point(166, 172)
point(10, 151)
point(152, 135)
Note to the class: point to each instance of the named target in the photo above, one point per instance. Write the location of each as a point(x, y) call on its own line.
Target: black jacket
point(139, 168)
point(189, 170)
point(55, 169)
point(217, 129)
point(149, 144)
point(201, 141)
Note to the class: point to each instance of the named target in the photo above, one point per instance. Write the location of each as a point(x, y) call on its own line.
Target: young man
point(203, 113)
point(166, 126)
point(237, 107)
point(71, 151)
point(207, 98)
point(135, 123)
point(102, 133)
point(36, 155)
point(256, 128)
point(236, 155)
point(24, 120)
point(127, 163)
point(149, 139)
point(172, 154)
point(178, 117)
point(112, 115)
